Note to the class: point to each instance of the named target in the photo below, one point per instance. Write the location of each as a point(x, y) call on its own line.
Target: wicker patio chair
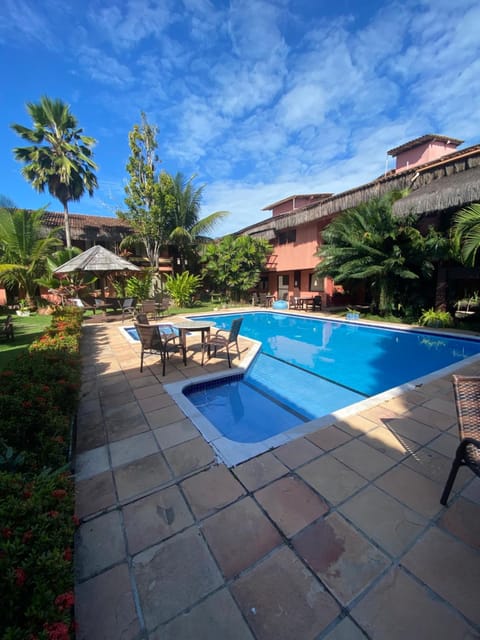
point(156, 340)
point(467, 403)
point(129, 307)
point(219, 341)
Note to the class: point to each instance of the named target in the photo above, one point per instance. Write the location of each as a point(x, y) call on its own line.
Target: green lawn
point(26, 330)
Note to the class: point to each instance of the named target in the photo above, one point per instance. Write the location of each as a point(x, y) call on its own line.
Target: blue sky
point(260, 99)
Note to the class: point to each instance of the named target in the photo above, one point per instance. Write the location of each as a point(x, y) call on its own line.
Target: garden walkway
point(337, 535)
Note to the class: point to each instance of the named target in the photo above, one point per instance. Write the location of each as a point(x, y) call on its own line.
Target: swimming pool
point(312, 368)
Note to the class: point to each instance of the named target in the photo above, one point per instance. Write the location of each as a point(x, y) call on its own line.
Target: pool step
point(307, 393)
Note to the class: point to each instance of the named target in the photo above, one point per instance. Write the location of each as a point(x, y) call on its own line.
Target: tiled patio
point(337, 535)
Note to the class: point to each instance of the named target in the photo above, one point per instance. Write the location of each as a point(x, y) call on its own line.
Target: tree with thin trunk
point(60, 156)
point(146, 211)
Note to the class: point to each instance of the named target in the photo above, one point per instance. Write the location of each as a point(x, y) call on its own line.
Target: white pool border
point(232, 453)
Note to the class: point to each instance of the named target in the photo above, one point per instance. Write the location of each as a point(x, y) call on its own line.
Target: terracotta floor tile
point(328, 437)
point(291, 504)
point(392, 525)
point(346, 629)
point(141, 475)
point(216, 618)
point(94, 494)
point(399, 607)
point(239, 536)
point(462, 519)
point(189, 456)
point(341, 556)
point(472, 490)
point(162, 514)
point(281, 600)
point(363, 459)
point(435, 466)
point(331, 478)
point(297, 452)
point(391, 444)
point(158, 401)
point(446, 444)
point(411, 429)
point(176, 433)
point(210, 490)
point(433, 418)
point(173, 576)
point(416, 491)
point(99, 544)
point(105, 607)
point(129, 449)
point(450, 568)
point(355, 425)
point(167, 415)
point(260, 471)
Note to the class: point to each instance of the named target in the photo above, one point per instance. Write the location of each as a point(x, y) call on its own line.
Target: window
point(285, 237)
point(316, 283)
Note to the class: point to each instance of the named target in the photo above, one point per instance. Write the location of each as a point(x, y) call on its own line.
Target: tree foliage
point(185, 229)
point(24, 249)
point(60, 156)
point(182, 287)
point(389, 254)
point(234, 264)
point(466, 233)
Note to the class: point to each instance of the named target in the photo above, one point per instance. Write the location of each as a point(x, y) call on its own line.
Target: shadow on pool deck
point(339, 534)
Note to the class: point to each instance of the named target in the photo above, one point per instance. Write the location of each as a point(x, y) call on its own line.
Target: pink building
point(439, 178)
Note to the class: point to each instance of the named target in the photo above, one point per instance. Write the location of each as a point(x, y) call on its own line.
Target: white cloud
point(104, 69)
point(20, 20)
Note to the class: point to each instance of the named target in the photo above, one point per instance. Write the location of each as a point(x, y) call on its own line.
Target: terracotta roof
point(429, 137)
point(312, 196)
point(80, 221)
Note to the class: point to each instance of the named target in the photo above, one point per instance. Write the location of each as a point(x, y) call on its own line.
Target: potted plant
point(23, 308)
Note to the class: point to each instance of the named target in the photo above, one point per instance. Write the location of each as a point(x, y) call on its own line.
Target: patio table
point(185, 326)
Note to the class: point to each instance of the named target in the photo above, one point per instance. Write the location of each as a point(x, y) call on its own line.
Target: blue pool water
point(309, 368)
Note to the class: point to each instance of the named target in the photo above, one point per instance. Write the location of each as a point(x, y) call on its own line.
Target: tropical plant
point(146, 210)
point(182, 287)
point(233, 265)
point(435, 318)
point(368, 244)
point(60, 157)
point(185, 229)
point(24, 250)
point(466, 233)
point(135, 287)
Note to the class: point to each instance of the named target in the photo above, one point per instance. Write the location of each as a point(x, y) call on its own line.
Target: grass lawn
point(26, 330)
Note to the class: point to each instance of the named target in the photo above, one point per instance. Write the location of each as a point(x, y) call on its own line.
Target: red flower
point(7, 533)
point(53, 514)
point(27, 536)
point(59, 493)
point(56, 631)
point(27, 404)
point(67, 554)
point(76, 520)
point(65, 600)
point(27, 494)
point(20, 577)
point(59, 439)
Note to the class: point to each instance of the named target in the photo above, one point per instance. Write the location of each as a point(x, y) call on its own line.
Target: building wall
point(290, 205)
point(423, 153)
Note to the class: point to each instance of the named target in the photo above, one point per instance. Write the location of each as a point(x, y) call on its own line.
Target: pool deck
point(336, 535)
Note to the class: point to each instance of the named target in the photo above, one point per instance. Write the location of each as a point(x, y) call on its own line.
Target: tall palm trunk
point(66, 221)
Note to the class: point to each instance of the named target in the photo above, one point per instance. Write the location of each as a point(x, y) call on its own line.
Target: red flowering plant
point(36, 575)
point(38, 399)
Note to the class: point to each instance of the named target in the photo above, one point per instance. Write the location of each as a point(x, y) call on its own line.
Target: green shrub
point(432, 318)
point(182, 287)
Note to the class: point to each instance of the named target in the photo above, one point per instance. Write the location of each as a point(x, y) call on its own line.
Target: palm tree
point(183, 201)
point(60, 157)
point(466, 233)
point(24, 249)
point(369, 244)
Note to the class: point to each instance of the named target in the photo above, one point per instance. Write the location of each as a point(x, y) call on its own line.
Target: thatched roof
point(96, 259)
point(451, 192)
point(84, 227)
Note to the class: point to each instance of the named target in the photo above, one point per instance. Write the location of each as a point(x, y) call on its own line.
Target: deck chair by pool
point(221, 341)
point(467, 403)
point(149, 307)
point(129, 306)
point(156, 340)
point(6, 328)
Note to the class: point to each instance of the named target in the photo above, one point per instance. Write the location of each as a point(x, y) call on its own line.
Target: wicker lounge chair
point(129, 307)
point(467, 403)
point(220, 341)
point(156, 340)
